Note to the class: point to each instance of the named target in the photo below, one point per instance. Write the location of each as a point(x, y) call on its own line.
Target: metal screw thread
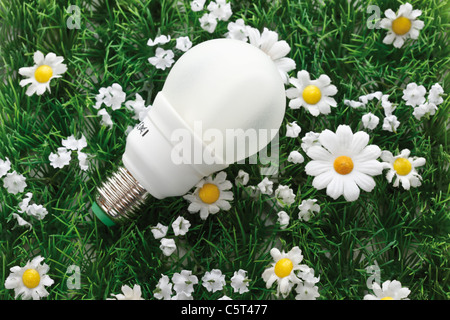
point(121, 196)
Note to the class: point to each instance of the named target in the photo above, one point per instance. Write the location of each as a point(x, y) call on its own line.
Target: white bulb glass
point(214, 96)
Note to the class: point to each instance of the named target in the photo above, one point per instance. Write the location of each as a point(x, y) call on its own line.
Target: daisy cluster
point(342, 162)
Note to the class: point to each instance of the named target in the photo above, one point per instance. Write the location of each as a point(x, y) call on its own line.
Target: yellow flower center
point(387, 298)
point(311, 94)
point(402, 166)
point(343, 165)
point(43, 73)
point(401, 25)
point(209, 193)
point(31, 278)
point(283, 267)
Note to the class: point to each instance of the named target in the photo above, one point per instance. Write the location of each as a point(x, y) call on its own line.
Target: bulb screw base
point(119, 198)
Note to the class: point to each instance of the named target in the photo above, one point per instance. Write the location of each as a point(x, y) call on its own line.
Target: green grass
point(405, 232)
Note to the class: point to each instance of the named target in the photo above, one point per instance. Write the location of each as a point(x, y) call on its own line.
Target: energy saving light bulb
point(222, 102)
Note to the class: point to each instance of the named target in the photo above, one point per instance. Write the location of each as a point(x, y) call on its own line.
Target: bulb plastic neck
point(119, 198)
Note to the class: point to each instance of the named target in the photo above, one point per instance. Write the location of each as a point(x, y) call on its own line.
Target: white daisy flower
point(14, 182)
point(162, 39)
point(390, 123)
point(129, 293)
point(402, 25)
point(210, 196)
point(293, 130)
point(29, 282)
point(163, 59)
point(242, 178)
point(306, 291)
point(183, 44)
point(344, 164)
point(138, 107)
point(61, 158)
point(276, 49)
point(283, 270)
point(283, 219)
point(285, 196)
point(266, 186)
point(159, 231)
point(414, 95)
point(167, 246)
point(370, 121)
point(403, 168)
point(310, 139)
point(163, 288)
point(184, 282)
point(307, 209)
point(5, 166)
point(240, 281)
point(295, 157)
point(197, 5)
point(389, 290)
point(237, 30)
point(314, 95)
point(180, 226)
point(208, 22)
point(45, 69)
point(213, 281)
point(220, 9)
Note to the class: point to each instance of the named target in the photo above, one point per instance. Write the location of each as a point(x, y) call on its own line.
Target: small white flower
point(414, 95)
point(21, 221)
point(242, 178)
point(390, 123)
point(37, 211)
point(293, 130)
point(283, 219)
point(307, 209)
point(208, 22)
point(434, 95)
point(24, 204)
point(29, 282)
point(14, 182)
point(183, 44)
point(106, 117)
point(277, 50)
point(184, 282)
point(39, 76)
point(61, 158)
point(354, 104)
point(389, 290)
point(163, 288)
point(309, 140)
point(284, 195)
point(138, 107)
point(266, 186)
point(370, 121)
point(283, 270)
point(344, 163)
point(168, 246)
point(163, 59)
point(402, 25)
point(197, 5)
point(225, 297)
point(306, 291)
point(82, 160)
point(182, 296)
point(162, 39)
point(112, 96)
point(211, 195)
point(220, 9)
point(159, 231)
point(129, 293)
point(180, 226)
point(214, 280)
point(72, 143)
point(239, 281)
point(5, 166)
point(425, 109)
point(387, 105)
point(295, 157)
point(237, 30)
point(313, 95)
point(403, 168)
